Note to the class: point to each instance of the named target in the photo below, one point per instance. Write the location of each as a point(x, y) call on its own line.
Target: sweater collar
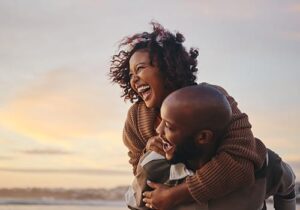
point(145, 121)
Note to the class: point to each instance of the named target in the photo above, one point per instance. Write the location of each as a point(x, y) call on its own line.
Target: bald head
point(198, 107)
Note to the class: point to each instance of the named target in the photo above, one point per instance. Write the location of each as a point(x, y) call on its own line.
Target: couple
point(153, 66)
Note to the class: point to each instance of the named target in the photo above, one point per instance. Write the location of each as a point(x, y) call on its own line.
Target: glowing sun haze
point(61, 119)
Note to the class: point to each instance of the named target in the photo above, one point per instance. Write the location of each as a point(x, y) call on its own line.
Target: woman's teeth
point(144, 91)
point(143, 88)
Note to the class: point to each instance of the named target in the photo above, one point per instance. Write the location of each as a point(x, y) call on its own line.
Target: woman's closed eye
point(139, 68)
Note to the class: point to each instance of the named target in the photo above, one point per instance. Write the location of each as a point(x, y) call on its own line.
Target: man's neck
point(201, 160)
point(197, 163)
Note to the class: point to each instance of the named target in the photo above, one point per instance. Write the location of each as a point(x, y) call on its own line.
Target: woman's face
point(147, 80)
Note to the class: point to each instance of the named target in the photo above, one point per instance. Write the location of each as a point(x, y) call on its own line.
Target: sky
point(61, 118)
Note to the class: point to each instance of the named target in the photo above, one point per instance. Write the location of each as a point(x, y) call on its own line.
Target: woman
point(153, 65)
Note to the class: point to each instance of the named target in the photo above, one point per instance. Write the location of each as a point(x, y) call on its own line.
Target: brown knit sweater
point(238, 155)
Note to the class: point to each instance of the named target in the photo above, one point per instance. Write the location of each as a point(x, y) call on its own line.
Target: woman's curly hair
point(178, 66)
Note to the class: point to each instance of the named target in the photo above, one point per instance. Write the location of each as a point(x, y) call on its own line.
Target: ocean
point(67, 199)
point(8, 204)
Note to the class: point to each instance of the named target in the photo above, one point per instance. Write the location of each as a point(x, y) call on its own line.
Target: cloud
point(3, 157)
point(46, 152)
point(295, 163)
point(67, 171)
point(63, 105)
point(293, 36)
point(227, 10)
point(294, 8)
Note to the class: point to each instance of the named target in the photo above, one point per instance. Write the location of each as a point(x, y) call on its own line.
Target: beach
point(55, 207)
point(69, 199)
point(80, 207)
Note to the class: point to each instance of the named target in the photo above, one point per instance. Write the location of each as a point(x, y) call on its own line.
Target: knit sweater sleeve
point(132, 138)
point(238, 155)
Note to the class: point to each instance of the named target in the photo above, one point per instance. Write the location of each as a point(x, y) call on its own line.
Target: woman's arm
point(138, 123)
point(132, 138)
point(233, 166)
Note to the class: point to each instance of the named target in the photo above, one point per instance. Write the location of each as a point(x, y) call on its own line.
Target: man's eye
point(167, 126)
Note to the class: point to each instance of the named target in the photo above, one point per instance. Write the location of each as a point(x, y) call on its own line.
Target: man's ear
point(204, 137)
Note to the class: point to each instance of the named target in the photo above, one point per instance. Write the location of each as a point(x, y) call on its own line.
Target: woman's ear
point(204, 137)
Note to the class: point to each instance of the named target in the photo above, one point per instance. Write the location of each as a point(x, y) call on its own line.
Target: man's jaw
point(173, 152)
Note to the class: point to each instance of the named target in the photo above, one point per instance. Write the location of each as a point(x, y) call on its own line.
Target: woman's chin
point(150, 104)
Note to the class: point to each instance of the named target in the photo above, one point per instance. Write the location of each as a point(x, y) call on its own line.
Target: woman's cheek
point(133, 88)
point(132, 84)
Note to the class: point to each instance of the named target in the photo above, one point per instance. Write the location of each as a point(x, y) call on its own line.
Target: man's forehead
point(180, 114)
point(172, 114)
point(168, 113)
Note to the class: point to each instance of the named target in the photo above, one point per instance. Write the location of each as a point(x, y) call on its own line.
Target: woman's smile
point(144, 91)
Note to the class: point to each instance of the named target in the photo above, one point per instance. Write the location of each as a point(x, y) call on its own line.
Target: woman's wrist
point(180, 194)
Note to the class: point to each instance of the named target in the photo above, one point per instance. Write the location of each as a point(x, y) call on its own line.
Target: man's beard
point(186, 151)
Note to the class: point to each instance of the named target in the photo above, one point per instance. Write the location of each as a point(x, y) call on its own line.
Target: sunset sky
point(61, 119)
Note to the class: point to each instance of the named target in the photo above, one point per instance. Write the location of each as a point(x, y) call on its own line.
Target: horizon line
point(68, 171)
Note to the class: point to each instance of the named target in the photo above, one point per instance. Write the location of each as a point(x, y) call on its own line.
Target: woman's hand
point(155, 144)
point(159, 198)
point(166, 198)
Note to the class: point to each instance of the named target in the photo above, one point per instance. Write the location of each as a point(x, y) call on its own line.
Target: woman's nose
point(135, 78)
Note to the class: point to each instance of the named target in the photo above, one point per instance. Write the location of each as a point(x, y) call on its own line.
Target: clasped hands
point(160, 198)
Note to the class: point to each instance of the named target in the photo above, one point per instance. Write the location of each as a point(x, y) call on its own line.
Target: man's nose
point(160, 129)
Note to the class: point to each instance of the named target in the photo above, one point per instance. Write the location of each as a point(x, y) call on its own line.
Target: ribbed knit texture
point(238, 155)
